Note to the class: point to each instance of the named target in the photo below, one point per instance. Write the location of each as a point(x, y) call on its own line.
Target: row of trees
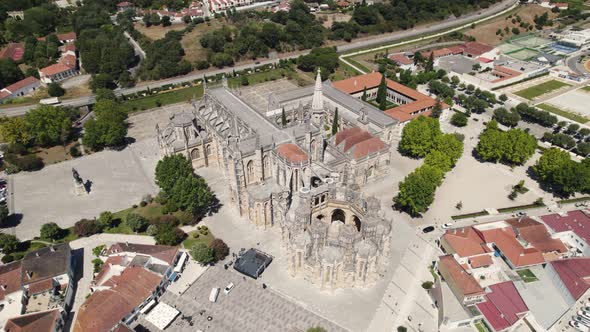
point(325, 58)
point(43, 126)
point(559, 173)
point(514, 146)
point(535, 115)
point(109, 126)
point(422, 137)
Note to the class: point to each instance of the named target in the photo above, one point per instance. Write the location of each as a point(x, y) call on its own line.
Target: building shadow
point(13, 220)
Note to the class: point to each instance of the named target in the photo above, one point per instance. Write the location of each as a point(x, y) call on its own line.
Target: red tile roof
point(40, 286)
point(505, 240)
point(465, 242)
point(105, 308)
point(124, 4)
point(401, 59)
point(22, 84)
point(575, 221)
point(537, 235)
point(437, 53)
point(463, 280)
point(457, 49)
point(10, 278)
point(165, 253)
point(575, 274)
point(292, 153)
point(69, 61)
point(476, 49)
point(14, 51)
point(36, 322)
point(67, 36)
point(480, 261)
point(358, 142)
point(54, 69)
point(504, 306)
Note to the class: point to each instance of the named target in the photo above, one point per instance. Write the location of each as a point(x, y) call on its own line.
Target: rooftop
point(537, 235)
point(105, 308)
point(22, 84)
point(54, 69)
point(575, 221)
point(10, 280)
point(575, 274)
point(465, 242)
point(292, 153)
point(46, 263)
point(504, 306)
point(36, 322)
point(505, 240)
point(164, 253)
point(14, 51)
point(463, 280)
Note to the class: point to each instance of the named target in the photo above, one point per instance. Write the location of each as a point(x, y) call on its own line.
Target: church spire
point(317, 103)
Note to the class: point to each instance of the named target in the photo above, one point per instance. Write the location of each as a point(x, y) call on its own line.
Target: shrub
point(29, 163)
point(7, 259)
point(105, 220)
point(427, 284)
point(220, 249)
point(136, 222)
point(51, 231)
point(202, 253)
point(86, 227)
point(75, 151)
point(142, 203)
point(98, 263)
point(98, 250)
point(152, 230)
point(459, 119)
point(168, 234)
point(55, 90)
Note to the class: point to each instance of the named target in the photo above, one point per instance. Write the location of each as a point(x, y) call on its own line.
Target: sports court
point(575, 101)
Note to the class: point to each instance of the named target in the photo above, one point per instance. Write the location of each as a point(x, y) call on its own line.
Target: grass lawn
point(387, 106)
point(54, 154)
point(191, 240)
point(481, 327)
point(150, 211)
point(565, 114)
point(540, 89)
point(165, 98)
point(527, 275)
point(266, 76)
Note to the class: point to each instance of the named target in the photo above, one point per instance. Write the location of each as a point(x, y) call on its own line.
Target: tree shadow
point(13, 220)
point(215, 205)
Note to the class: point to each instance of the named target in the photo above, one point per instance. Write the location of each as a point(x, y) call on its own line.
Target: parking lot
point(248, 307)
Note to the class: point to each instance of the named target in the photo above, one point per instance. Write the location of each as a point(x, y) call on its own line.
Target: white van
point(214, 294)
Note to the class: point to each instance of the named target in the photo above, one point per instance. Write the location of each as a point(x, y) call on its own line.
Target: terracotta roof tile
point(22, 83)
point(463, 280)
point(476, 48)
point(54, 69)
point(292, 153)
point(345, 133)
point(14, 51)
point(480, 261)
point(10, 280)
point(465, 242)
point(36, 322)
point(505, 240)
point(67, 36)
point(40, 286)
point(165, 253)
point(401, 59)
point(575, 274)
point(537, 235)
point(105, 308)
point(366, 147)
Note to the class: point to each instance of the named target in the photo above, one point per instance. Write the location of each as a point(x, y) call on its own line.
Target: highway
point(423, 32)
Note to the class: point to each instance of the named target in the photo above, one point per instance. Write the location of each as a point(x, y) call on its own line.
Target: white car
point(447, 225)
point(581, 320)
point(584, 314)
point(578, 326)
point(228, 288)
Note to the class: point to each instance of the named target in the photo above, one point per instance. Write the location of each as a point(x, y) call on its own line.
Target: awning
point(173, 276)
point(181, 261)
point(148, 306)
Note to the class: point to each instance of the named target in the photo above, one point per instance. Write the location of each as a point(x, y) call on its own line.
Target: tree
point(450, 146)
point(316, 329)
point(170, 169)
point(166, 21)
point(202, 253)
point(584, 132)
point(49, 125)
point(572, 129)
point(190, 194)
point(102, 94)
point(168, 234)
point(8, 243)
point(429, 65)
point(9, 73)
point(335, 122)
point(416, 191)
point(459, 119)
point(505, 117)
point(15, 130)
point(559, 173)
point(436, 110)
point(51, 231)
point(3, 214)
point(220, 249)
point(85, 227)
point(244, 80)
point(55, 90)
point(105, 220)
point(503, 98)
point(419, 136)
point(514, 146)
point(102, 81)
point(109, 128)
point(283, 118)
point(97, 251)
point(136, 222)
point(382, 94)
point(418, 58)
point(364, 97)
point(455, 80)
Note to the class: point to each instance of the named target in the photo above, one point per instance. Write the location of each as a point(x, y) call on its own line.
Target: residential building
point(48, 275)
point(20, 88)
point(11, 291)
point(133, 277)
point(216, 6)
point(573, 228)
point(402, 60)
point(45, 321)
point(69, 37)
point(503, 308)
point(58, 72)
point(125, 5)
point(14, 51)
point(462, 284)
point(571, 276)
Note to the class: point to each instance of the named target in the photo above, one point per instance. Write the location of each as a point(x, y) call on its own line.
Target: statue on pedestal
point(79, 188)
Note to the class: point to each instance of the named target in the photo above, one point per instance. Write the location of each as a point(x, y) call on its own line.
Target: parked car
point(584, 314)
point(427, 229)
point(582, 320)
point(213, 295)
point(228, 288)
point(578, 326)
point(447, 225)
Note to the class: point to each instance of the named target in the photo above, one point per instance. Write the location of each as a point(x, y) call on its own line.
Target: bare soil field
point(331, 18)
point(156, 32)
point(486, 33)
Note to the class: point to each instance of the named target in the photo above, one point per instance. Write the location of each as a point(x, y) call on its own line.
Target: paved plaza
point(257, 95)
point(118, 179)
point(574, 101)
point(248, 307)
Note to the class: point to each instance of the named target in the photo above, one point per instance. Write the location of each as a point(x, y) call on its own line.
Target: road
point(358, 44)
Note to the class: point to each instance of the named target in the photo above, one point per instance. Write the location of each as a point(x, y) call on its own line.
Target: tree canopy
point(513, 147)
point(49, 125)
point(416, 191)
point(419, 137)
point(108, 128)
point(558, 172)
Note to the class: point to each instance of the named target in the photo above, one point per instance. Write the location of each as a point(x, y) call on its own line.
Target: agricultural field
point(541, 89)
point(191, 41)
point(156, 32)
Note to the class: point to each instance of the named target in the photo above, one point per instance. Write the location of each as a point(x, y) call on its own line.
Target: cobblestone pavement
point(248, 307)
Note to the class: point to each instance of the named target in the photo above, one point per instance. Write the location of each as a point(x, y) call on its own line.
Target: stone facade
point(296, 176)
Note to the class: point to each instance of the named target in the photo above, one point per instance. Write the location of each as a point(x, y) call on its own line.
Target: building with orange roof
point(460, 281)
point(504, 241)
point(14, 51)
point(45, 321)
point(19, 89)
point(411, 102)
point(464, 241)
